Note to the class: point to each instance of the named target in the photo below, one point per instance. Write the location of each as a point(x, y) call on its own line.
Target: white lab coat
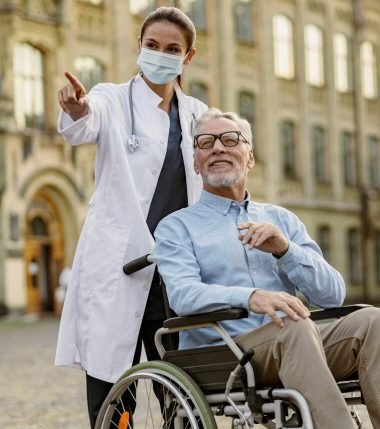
point(104, 307)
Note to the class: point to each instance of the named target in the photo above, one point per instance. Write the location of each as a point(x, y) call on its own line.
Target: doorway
point(44, 255)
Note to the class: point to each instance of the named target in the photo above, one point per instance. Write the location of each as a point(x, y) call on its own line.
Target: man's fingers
point(275, 317)
point(297, 306)
point(259, 236)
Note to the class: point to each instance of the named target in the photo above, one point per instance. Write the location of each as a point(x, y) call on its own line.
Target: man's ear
point(196, 168)
point(251, 160)
point(189, 56)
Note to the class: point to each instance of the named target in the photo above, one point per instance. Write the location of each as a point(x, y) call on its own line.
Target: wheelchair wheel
point(182, 404)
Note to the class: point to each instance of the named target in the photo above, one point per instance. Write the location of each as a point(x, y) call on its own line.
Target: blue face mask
point(159, 67)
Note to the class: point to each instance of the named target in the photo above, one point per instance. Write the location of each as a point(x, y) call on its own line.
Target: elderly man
point(228, 251)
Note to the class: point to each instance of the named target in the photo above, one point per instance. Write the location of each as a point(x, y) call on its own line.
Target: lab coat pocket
point(103, 255)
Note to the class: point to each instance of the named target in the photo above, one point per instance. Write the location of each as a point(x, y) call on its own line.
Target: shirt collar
point(222, 204)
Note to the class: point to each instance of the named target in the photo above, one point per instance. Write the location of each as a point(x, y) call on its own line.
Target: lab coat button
point(137, 314)
point(146, 287)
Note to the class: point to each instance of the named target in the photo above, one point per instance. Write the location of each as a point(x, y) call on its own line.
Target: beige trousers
point(310, 357)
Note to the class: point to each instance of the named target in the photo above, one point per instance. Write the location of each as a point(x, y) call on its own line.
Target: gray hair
point(214, 113)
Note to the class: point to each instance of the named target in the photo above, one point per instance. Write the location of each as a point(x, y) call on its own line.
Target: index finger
point(74, 81)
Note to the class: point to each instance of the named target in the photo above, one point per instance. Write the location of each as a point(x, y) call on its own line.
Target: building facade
point(305, 73)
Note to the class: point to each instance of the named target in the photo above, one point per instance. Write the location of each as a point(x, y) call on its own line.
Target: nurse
point(143, 171)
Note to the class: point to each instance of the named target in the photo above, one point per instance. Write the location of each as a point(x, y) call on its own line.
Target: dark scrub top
point(170, 195)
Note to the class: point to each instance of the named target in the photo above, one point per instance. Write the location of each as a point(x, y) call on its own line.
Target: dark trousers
point(154, 315)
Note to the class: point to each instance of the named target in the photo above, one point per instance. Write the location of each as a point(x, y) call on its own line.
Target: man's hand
point(268, 302)
point(265, 237)
point(73, 98)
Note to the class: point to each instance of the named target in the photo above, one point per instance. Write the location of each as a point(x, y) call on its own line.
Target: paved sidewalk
point(33, 393)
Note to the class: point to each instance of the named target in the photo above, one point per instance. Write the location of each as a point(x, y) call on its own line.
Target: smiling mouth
point(220, 164)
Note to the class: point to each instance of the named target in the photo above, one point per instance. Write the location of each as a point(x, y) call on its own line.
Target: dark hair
point(174, 16)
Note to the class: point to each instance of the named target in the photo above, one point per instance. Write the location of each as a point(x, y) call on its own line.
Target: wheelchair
point(197, 385)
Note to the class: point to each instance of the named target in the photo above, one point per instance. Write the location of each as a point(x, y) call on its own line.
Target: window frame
point(320, 154)
point(348, 158)
point(239, 36)
point(25, 53)
point(315, 76)
point(289, 169)
point(282, 69)
point(354, 261)
point(369, 71)
point(342, 64)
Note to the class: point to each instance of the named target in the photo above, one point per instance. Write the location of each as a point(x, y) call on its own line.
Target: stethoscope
point(133, 143)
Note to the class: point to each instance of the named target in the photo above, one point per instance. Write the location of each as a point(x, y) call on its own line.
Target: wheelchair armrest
point(215, 316)
point(336, 313)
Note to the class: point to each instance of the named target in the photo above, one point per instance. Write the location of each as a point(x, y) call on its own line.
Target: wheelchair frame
point(197, 398)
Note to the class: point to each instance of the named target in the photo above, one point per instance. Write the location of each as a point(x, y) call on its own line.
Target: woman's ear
point(139, 45)
point(189, 56)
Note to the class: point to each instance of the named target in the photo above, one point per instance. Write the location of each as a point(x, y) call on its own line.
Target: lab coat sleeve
point(88, 128)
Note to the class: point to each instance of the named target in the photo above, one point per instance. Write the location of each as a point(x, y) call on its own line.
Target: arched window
point(89, 71)
point(314, 55)
point(324, 241)
point(342, 62)
point(288, 145)
point(348, 156)
point(29, 96)
point(283, 47)
point(199, 90)
point(368, 69)
point(354, 256)
point(38, 227)
point(243, 14)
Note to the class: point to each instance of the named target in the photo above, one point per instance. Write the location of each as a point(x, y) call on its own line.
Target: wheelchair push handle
point(138, 264)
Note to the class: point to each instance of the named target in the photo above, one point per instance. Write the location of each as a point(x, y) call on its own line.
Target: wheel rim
point(147, 414)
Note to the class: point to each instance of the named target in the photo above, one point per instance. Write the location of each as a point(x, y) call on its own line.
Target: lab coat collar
point(147, 95)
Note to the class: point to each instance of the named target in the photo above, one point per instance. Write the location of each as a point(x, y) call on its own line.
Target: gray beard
point(222, 180)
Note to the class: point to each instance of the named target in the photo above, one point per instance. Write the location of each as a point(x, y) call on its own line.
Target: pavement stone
point(34, 394)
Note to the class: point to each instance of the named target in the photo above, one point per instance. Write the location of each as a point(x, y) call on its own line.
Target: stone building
point(303, 72)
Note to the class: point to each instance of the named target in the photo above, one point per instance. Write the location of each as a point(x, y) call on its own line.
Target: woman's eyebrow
point(151, 39)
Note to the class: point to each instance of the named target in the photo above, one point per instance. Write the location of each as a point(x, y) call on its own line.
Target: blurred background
point(305, 73)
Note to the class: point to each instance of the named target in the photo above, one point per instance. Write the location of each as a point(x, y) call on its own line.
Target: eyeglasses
point(228, 139)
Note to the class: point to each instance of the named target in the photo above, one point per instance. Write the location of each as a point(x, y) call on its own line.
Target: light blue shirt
point(206, 267)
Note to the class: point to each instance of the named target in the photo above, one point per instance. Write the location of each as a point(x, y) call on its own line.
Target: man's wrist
point(250, 297)
point(281, 254)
